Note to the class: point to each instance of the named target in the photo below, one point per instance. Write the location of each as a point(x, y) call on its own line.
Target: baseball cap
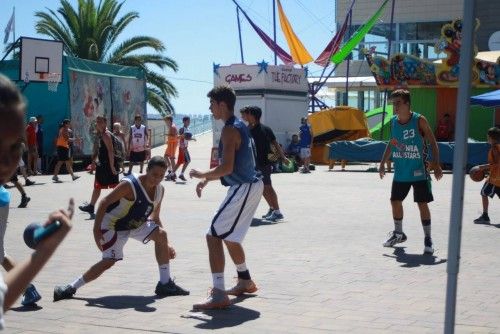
point(32, 119)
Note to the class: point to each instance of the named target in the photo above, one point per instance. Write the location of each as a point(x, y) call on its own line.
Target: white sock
point(164, 273)
point(241, 267)
point(277, 211)
point(78, 283)
point(218, 279)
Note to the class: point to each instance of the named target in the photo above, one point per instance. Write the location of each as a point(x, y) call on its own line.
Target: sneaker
point(29, 183)
point(269, 212)
point(217, 299)
point(304, 170)
point(24, 201)
point(243, 286)
point(30, 296)
point(170, 289)
point(63, 292)
point(56, 179)
point(87, 207)
point(76, 177)
point(173, 177)
point(395, 238)
point(275, 216)
point(483, 219)
point(182, 177)
point(428, 249)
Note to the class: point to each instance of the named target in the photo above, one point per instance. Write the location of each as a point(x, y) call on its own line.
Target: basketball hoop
point(53, 80)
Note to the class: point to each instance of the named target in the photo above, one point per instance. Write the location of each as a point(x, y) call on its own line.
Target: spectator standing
point(264, 138)
point(306, 139)
point(32, 146)
point(39, 145)
point(444, 129)
point(138, 144)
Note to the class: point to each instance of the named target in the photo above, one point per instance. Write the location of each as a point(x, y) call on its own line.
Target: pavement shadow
point(260, 222)
point(488, 224)
point(28, 308)
point(229, 317)
point(138, 303)
point(414, 260)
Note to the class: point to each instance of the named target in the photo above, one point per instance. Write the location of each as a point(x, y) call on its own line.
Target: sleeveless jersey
point(408, 150)
point(183, 143)
point(172, 138)
point(138, 138)
point(494, 177)
point(61, 141)
point(244, 158)
point(125, 215)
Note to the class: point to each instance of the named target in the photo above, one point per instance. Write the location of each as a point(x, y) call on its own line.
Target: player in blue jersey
point(131, 211)
point(230, 224)
point(407, 148)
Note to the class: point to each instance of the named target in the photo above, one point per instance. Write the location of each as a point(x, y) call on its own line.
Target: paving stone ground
point(322, 270)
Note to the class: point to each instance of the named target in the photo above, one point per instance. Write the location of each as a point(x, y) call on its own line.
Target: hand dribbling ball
point(476, 174)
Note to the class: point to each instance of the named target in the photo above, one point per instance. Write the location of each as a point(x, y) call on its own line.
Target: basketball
point(476, 174)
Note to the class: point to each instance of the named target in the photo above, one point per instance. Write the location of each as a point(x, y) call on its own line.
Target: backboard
point(39, 58)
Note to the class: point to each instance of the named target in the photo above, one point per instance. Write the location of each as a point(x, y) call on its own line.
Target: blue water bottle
point(4, 197)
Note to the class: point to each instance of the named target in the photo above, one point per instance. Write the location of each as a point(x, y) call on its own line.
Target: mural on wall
point(119, 99)
point(89, 97)
point(403, 70)
point(129, 99)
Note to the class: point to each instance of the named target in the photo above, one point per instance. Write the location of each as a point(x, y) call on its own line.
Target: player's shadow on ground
point(232, 316)
point(414, 260)
point(260, 222)
point(138, 303)
point(29, 308)
point(489, 224)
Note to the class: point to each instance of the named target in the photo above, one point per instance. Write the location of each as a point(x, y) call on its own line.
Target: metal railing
point(199, 124)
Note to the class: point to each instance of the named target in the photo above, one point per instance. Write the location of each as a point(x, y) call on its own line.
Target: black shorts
point(137, 156)
point(104, 178)
point(490, 190)
point(62, 153)
point(266, 174)
point(422, 191)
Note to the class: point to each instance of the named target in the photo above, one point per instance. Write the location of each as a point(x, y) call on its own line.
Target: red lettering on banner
point(238, 78)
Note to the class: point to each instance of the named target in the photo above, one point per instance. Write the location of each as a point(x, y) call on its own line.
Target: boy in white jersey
point(131, 210)
point(407, 149)
point(138, 144)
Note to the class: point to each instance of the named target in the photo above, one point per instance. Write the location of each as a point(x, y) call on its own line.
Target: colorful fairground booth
point(433, 87)
point(59, 87)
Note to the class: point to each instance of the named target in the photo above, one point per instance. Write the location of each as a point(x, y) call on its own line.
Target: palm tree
point(90, 32)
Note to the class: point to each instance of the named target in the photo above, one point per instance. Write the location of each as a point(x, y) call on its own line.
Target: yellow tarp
point(338, 118)
point(342, 118)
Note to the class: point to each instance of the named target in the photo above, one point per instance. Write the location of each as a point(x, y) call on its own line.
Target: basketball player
point(131, 210)
point(232, 220)
point(408, 150)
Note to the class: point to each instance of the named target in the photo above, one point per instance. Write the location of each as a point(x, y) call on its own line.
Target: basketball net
point(53, 81)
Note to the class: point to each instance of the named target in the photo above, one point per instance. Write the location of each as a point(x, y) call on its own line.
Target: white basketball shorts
point(233, 218)
point(114, 241)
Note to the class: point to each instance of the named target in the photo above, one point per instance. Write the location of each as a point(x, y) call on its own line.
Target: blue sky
point(198, 33)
